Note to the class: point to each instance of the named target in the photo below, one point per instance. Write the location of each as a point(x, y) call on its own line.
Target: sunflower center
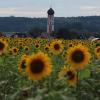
point(46, 48)
point(70, 75)
point(78, 56)
point(26, 49)
point(15, 50)
point(37, 66)
point(37, 45)
point(98, 50)
point(70, 45)
point(56, 46)
point(1, 45)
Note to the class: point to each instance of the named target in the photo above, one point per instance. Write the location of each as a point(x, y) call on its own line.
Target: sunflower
point(46, 48)
point(70, 44)
point(22, 62)
point(3, 46)
point(20, 44)
point(69, 74)
point(97, 52)
point(15, 51)
point(38, 66)
point(26, 49)
point(37, 45)
point(56, 47)
point(10, 51)
point(78, 56)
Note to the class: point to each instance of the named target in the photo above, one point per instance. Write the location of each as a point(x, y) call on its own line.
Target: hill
point(22, 24)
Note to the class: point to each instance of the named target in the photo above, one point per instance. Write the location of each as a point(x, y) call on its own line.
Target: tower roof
point(50, 11)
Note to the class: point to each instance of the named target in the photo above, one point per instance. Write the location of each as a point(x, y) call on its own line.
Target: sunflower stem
point(77, 84)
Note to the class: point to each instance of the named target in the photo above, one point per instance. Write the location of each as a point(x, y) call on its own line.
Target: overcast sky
point(38, 8)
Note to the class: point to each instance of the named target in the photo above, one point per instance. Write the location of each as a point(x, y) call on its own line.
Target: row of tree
point(22, 24)
point(64, 33)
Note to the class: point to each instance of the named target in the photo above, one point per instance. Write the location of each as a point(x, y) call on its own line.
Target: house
point(20, 35)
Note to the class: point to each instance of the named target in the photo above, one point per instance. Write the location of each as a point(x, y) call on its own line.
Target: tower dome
point(50, 11)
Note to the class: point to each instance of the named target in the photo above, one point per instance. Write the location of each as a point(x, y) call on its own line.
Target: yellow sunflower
point(26, 49)
point(46, 48)
point(37, 45)
point(22, 62)
point(70, 44)
point(38, 66)
point(78, 56)
point(15, 51)
point(56, 47)
point(97, 52)
point(10, 51)
point(3, 47)
point(69, 74)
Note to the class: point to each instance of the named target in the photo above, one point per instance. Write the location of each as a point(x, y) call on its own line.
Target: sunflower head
point(56, 47)
point(38, 66)
point(78, 56)
point(10, 51)
point(37, 45)
point(22, 62)
point(46, 48)
point(26, 49)
point(97, 52)
point(20, 44)
point(3, 46)
point(15, 51)
point(69, 74)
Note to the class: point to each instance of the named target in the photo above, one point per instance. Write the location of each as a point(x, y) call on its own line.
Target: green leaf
point(84, 74)
point(1, 61)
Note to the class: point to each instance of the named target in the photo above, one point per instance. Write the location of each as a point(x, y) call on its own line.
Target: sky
point(38, 8)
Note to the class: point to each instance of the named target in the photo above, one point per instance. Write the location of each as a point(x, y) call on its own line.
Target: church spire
point(50, 21)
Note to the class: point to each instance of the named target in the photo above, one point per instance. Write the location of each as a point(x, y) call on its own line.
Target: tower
point(50, 21)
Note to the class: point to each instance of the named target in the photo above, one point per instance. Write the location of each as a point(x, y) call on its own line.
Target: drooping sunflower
point(3, 47)
point(22, 62)
point(97, 52)
point(69, 74)
point(38, 66)
point(56, 47)
point(78, 56)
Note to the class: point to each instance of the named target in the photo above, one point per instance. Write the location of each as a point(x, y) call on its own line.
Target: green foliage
point(84, 74)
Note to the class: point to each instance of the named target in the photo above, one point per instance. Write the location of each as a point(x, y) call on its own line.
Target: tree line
point(65, 27)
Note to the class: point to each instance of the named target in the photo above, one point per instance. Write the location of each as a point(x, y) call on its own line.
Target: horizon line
point(55, 16)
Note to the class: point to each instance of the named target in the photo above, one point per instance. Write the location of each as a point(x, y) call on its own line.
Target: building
point(1, 34)
point(50, 21)
point(20, 35)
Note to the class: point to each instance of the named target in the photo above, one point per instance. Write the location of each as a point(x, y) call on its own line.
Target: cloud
point(90, 10)
point(21, 12)
point(7, 10)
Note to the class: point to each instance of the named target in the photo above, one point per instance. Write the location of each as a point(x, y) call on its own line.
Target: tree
point(35, 32)
point(62, 33)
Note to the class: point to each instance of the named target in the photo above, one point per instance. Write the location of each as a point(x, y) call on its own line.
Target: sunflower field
point(55, 69)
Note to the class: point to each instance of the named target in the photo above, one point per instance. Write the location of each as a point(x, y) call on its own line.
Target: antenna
point(50, 3)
